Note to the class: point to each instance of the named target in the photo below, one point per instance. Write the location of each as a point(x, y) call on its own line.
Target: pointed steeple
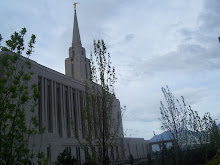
point(76, 36)
point(77, 65)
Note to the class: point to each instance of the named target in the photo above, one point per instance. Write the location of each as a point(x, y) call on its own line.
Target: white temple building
point(59, 103)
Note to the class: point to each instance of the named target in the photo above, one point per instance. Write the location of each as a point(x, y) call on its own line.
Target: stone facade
point(58, 105)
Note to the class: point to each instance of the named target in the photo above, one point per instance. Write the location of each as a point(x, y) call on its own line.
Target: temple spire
point(76, 36)
point(77, 65)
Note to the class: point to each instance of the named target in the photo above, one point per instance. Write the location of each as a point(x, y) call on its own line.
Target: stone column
point(69, 110)
point(45, 104)
point(78, 114)
point(55, 108)
point(52, 106)
point(42, 102)
point(61, 109)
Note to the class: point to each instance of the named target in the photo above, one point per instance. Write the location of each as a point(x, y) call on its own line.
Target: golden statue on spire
point(74, 4)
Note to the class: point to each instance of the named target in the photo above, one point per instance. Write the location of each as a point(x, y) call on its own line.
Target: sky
point(153, 43)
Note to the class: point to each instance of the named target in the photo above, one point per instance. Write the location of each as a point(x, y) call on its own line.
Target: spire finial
point(74, 4)
point(76, 35)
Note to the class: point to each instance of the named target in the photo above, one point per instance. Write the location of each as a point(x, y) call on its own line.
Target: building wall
point(58, 105)
point(137, 147)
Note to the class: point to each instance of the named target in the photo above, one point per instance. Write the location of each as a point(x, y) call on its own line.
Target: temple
point(59, 108)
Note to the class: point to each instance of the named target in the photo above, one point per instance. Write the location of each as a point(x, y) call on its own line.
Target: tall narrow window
point(100, 151)
point(82, 119)
point(67, 113)
point(72, 70)
point(78, 154)
point(86, 69)
point(129, 149)
point(48, 153)
point(137, 150)
point(112, 153)
point(147, 148)
point(68, 149)
point(75, 113)
point(86, 153)
point(143, 148)
point(58, 105)
point(40, 102)
point(97, 118)
point(117, 152)
point(49, 107)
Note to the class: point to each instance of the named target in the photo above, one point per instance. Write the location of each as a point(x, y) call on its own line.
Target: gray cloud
point(191, 95)
point(139, 115)
point(147, 108)
point(129, 37)
point(209, 16)
point(198, 51)
point(189, 58)
point(187, 33)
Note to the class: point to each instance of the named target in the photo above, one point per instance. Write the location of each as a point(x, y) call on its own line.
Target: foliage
point(215, 160)
point(91, 161)
point(173, 119)
point(101, 121)
point(65, 158)
point(190, 133)
point(17, 96)
point(215, 137)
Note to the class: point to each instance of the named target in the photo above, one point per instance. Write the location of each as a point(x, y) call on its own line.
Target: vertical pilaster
point(78, 114)
point(69, 110)
point(75, 112)
point(55, 108)
point(63, 111)
point(52, 106)
point(42, 102)
point(45, 104)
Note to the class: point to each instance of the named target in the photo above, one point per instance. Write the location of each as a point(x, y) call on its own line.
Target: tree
point(187, 129)
point(65, 158)
point(17, 97)
point(173, 119)
point(215, 137)
point(100, 119)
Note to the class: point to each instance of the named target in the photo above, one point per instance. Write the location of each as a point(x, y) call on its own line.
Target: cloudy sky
point(153, 43)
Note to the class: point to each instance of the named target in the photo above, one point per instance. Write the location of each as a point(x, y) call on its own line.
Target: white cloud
point(191, 95)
